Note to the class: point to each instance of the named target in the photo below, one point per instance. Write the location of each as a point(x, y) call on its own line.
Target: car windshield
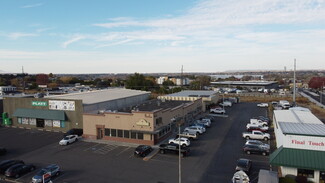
point(41, 172)
point(241, 163)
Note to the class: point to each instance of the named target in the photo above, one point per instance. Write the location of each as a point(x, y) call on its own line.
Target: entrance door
point(322, 177)
point(40, 123)
point(100, 133)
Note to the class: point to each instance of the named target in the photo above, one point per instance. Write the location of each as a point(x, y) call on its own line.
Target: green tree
point(139, 82)
point(168, 83)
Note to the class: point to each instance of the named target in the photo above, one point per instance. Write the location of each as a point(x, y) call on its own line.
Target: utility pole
point(179, 155)
point(294, 84)
point(23, 75)
point(182, 77)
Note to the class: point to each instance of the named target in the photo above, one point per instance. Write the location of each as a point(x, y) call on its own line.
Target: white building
point(7, 89)
point(161, 80)
point(300, 141)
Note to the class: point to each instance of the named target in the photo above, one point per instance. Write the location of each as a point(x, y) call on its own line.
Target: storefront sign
point(62, 105)
point(39, 103)
point(309, 143)
point(142, 122)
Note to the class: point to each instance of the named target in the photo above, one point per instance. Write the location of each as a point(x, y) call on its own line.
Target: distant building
point(208, 97)
point(161, 80)
point(178, 81)
point(7, 89)
point(248, 84)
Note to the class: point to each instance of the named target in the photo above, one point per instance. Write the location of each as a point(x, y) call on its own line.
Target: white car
point(68, 140)
point(262, 128)
point(263, 105)
point(195, 129)
point(182, 141)
point(240, 177)
point(217, 111)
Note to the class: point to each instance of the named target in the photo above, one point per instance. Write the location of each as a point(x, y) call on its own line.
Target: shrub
point(286, 180)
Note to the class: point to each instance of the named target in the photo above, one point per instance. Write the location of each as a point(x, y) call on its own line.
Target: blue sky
point(127, 36)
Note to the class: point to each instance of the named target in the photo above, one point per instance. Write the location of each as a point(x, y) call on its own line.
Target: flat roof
point(92, 97)
point(299, 121)
point(155, 104)
point(260, 83)
point(193, 93)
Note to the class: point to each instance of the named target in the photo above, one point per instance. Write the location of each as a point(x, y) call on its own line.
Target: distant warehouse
point(255, 85)
point(300, 141)
point(63, 112)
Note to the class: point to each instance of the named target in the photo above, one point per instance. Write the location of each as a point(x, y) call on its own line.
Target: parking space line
point(123, 151)
point(91, 147)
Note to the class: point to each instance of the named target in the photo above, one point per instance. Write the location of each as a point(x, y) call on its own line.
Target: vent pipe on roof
point(294, 84)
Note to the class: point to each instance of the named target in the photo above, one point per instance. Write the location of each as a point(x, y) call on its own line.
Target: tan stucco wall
point(127, 121)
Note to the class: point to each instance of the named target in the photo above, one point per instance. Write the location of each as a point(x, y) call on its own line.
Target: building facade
point(300, 140)
point(149, 123)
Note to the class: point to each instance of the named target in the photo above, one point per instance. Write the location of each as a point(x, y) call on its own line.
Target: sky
point(152, 36)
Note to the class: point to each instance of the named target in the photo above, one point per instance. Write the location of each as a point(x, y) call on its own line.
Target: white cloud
point(17, 35)
point(32, 5)
point(72, 40)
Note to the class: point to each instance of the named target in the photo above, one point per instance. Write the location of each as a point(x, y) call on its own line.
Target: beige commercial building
point(147, 123)
point(207, 97)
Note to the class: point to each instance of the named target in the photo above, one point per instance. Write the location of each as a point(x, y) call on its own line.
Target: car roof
point(52, 166)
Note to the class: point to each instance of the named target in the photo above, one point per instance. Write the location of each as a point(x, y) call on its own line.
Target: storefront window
point(62, 124)
point(306, 173)
point(19, 120)
point(126, 134)
point(120, 133)
point(133, 135)
point(113, 132)
point(140, 136)
point(107, 132)
point(32, 121)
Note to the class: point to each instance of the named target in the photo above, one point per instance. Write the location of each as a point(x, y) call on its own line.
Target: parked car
point(182, 141)
point(206, 123)
point(19, 169)
point(68, 139)
point(198, 124)
point(217, 111)
point(195, 129)
point(52, 170)
point(173, 148)
point(226, 104)
point(74, 131)
point(263, 105)
point(259, 122)
point(3, 151)
point(256, 149)
point(257, 142)
point(244, 165)
point(257, 127)
point(142, 150)
point(188, 135)
point(256, 135)
point(240, 177)
point(262, 118)
point(5, 164)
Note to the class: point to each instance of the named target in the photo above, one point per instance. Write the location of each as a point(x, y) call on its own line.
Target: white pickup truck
point(258, 122)
point(188, 135)
point(256, 135)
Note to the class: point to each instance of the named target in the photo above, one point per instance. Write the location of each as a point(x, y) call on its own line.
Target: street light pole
point(179, 155)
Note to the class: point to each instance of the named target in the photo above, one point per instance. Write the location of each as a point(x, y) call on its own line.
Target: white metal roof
point(261, 83)
point(299, 121)
point(296, 116)
point(98, 96)
point(303, 129)
point(198, 93)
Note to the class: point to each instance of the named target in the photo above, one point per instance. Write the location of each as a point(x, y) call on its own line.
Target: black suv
point(74, 131)
point(173, 148)
point(250, 148)
point(19, 169)
point(244, 165)
point(5, 164)
point(142, 150)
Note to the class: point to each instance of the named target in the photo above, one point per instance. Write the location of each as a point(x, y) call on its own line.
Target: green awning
point(298, 158)
point(39, 113)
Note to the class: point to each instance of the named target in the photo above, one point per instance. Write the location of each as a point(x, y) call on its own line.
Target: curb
point(152, 154)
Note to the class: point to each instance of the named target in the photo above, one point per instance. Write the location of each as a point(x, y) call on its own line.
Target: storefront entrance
point(322, 177)
point(40, 123)
point(100, 133)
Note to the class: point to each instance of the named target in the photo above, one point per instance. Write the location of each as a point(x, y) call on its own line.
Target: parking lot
point(213, 156)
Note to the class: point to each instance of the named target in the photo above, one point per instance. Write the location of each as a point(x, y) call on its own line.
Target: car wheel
point(247, 138)
point(248, 152)
point(162, 151)
point(171, 142)
point(32, 168)
point(16, 176)
point(264, 153)
point(182, 155)
point(76, 139)
point(265, 138)
point(68, 143)
point(183, 145)
point(57, 173)
point(197, 133)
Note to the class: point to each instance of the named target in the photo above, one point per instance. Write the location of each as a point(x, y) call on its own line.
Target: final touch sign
point(305, 142)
